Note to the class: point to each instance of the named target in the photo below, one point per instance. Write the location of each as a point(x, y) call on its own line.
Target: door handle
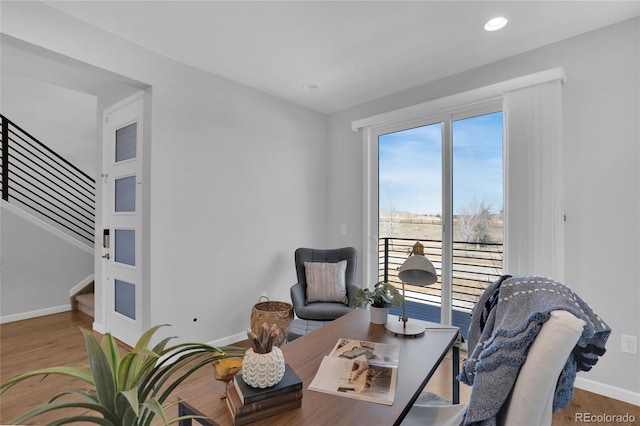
point(106, 256)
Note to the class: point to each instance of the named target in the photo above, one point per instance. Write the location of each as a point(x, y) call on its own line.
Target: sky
point(410, 166)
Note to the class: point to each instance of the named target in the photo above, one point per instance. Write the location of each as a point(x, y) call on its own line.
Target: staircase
point(84, 300)
point(85, 303)
point(38, 181)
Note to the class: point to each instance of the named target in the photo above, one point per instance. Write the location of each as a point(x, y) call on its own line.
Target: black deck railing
point(475, 266)
point(43, 182)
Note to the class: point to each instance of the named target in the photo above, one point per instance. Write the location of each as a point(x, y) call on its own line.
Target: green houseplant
point(383, 295)
point(129, 389)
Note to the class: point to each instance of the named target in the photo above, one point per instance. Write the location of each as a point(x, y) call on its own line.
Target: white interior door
point(122, 243)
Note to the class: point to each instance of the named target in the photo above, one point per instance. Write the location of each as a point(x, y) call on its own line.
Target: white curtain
point(534, 181)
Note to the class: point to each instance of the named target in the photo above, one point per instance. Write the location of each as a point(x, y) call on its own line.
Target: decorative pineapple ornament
point(263, 364)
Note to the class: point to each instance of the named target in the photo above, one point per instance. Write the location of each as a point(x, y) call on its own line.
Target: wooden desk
point(419, 358)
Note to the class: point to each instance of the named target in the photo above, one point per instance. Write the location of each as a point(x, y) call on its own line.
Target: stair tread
point(86, 299)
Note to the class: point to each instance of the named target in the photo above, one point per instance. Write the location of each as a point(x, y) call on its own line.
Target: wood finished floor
point(56, 340)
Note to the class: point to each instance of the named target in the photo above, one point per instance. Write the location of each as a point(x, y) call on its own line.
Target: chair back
point(531, 399)
point(327, 256)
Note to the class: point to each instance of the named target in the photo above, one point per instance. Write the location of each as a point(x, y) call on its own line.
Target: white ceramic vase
point(379, 315)
point(263, 370)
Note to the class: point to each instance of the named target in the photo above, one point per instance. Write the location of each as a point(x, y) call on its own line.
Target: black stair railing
point(43, 182)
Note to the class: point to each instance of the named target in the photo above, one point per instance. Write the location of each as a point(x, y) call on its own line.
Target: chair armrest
point(351, 293)
point(297, 295)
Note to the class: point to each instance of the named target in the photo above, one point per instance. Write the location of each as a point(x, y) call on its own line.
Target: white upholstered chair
point(531, 399)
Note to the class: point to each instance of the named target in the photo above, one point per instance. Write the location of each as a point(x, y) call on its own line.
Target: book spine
point(243, 410)
point(248, 399)
point(243, 420)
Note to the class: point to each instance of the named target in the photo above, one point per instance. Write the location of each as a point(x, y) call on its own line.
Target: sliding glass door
point(440, 182)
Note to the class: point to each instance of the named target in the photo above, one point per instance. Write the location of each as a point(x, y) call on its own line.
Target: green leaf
point(145, 339)
point(199, 359)
point(130, 418)
point(171, 387)
point(137, 361)
point(124, 370)
point(179, 419)
point(162, 344)
point(70, 371)
point(131, 396)
point(154, 406)
point(88, 395)
point(167, 366)
point(63, 404)
point(101, 370)
point(132, 366)
point(110, 348)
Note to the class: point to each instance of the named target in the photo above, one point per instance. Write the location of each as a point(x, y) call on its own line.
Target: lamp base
point(405, 328)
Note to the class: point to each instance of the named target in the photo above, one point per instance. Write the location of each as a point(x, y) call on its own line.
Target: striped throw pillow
point(326, 282)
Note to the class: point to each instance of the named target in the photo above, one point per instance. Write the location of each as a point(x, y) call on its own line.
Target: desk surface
point(419, 358)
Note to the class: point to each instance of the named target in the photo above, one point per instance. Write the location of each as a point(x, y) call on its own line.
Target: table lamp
point(416, 270)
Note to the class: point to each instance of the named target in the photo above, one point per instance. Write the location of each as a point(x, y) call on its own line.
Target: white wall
point(39, 266)
point(237, 178)
point(602, 191)
point(237, 185)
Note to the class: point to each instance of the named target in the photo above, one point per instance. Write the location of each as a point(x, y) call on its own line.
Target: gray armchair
point(323, 310)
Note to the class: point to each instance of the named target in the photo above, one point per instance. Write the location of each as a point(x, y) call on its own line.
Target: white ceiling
point(354, 51)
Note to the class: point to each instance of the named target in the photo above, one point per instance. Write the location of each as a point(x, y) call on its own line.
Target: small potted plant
point(383, 296)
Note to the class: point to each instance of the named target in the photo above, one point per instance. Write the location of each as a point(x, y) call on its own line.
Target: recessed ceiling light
point(495, 23)
point(310, 86)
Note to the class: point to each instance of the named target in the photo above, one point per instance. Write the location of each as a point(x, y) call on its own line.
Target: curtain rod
point(470, 96)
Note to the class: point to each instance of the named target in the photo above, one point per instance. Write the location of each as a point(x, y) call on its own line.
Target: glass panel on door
point(125, 298)
point(125, 194)
point(477, 208)
point(410, 209)
point(125, 246)
point(126, 142)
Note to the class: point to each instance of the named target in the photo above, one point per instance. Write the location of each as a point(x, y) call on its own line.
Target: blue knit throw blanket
point(505, 321)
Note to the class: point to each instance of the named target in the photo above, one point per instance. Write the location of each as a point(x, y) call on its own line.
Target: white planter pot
point(263, 370)
point(379, 315)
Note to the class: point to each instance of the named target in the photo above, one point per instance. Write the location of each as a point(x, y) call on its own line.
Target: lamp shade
point(417, 269)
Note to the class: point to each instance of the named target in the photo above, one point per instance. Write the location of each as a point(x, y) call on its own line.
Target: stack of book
point(247, 404)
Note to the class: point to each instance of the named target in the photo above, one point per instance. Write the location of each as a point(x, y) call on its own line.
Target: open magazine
point(360, 370)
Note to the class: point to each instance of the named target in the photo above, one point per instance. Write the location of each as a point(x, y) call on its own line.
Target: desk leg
point(182, 411)
point(456, 372)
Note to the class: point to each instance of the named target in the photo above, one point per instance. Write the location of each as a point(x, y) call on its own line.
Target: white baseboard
point(608, 391)
point(34, 314)
point(99, 328)
point(225, 341)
